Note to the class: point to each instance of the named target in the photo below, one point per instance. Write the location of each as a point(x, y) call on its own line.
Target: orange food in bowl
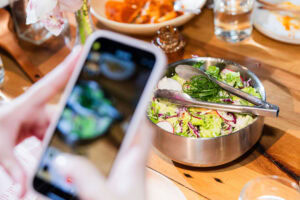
point(140, 11)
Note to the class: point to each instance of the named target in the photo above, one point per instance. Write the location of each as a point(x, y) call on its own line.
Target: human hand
point(127, 178)
point(29, 115)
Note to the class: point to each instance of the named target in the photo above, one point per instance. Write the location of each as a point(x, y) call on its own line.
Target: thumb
point(89, 184)
point(13, 167)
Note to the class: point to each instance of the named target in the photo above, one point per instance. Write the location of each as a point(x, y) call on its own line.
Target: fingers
point(128, 177)
point(131, 162)
point(142, 140)
point(36, 124)
point(16, 171)
point(45, 117)
point(89, 184)
point(47, 87)
point(51, 111)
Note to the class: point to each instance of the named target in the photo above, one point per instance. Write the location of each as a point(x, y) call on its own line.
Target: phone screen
point(97, 112)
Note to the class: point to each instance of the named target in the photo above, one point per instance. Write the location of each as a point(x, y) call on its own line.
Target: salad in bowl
point(200, 122)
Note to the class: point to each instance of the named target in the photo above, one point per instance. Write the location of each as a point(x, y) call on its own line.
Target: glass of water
point(270, 188)
point(232, 19)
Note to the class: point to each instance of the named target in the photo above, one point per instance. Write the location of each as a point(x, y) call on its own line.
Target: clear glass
point(34, 33)
point(232, 19)
point(270, 188)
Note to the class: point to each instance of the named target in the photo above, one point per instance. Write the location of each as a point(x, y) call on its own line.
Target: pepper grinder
point(170, 40)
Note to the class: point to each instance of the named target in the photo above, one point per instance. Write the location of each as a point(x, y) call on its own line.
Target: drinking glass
point(232, 19)
point(270, 188)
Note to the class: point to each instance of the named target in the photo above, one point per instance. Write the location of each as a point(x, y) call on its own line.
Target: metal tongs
point(262, 108)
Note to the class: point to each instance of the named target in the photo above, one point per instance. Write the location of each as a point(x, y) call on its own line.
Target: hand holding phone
point(29, 115)
point(104, 103)
point(126, 181)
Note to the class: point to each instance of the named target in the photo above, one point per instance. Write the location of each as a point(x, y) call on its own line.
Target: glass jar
point(33, 33)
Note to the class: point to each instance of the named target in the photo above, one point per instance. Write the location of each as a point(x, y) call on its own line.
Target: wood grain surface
point(278, 151)
point(10, 43)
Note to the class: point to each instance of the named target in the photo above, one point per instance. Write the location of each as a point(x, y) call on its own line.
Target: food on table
point(201, 122)
point(140, 11)
point(289, 22)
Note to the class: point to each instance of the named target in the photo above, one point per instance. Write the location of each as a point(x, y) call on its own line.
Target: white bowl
point(98, 10)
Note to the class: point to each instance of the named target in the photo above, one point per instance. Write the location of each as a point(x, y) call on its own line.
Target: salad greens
point(201, 122)
point(202, 88)
point(213, 71)
point(199, 64)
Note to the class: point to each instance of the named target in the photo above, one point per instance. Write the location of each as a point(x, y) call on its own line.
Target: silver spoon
point(186, 100)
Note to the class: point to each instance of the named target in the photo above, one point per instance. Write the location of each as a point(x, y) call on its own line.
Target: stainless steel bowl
point(209, 152)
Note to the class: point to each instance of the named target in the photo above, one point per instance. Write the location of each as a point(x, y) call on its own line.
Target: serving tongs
point(186, 72)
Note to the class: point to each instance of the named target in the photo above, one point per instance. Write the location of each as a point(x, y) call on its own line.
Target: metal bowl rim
point(219, 60)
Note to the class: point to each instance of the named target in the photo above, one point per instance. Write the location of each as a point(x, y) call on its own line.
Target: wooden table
point(277, 153)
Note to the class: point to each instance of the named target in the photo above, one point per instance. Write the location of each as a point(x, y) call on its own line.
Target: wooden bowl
point(98, 10)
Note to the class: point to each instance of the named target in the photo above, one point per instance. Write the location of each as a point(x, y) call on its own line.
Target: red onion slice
point(227, 100)
point(228, 130)
point(180, 125)
point(227, 116)
point(193, 115)
point(195, 131)
point(172, 116)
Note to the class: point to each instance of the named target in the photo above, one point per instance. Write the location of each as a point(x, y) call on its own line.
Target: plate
point(159, 187)
point(270, 25)
point(98, 10)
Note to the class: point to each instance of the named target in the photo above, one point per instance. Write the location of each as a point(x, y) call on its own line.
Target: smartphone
point(102, 105)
